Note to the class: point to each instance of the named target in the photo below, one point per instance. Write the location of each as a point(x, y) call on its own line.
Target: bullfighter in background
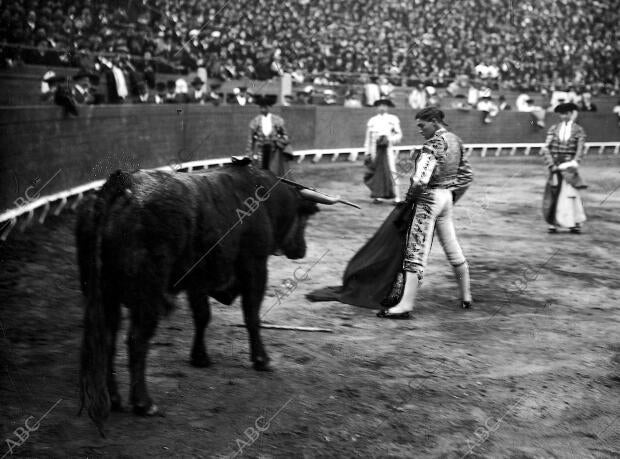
point(565, 144)
point(268, 142)
point(382, 133)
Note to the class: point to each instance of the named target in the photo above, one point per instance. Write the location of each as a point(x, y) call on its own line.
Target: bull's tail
point(95, 347)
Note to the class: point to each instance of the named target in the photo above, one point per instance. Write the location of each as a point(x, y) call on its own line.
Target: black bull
point(151, 234)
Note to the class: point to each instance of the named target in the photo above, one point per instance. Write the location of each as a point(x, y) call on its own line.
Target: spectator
point(385, 88)
point(241, 96)
point(329, 97)
point(304, 97)
point(525, 103)
point(586, 104)
point(144, 95)
point(503, 104)
point(460, 103)
point(487, 107)
point(84, 88)
point(160, 95)
point(352, 100)
point(181, 89)
point(197, 93)
point(60, 92)
point(525, 54)
point(372, 92)
point(171, 93)
point(433, 99)
point(417, 98)
point(213, 97)
point(616, 111)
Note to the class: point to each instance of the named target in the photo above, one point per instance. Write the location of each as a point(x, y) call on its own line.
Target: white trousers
point(433, 215)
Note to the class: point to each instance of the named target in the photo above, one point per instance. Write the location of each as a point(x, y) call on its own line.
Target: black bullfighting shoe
point(552, 230)
point(386, 314)
point(575, 230)
point(466, 304)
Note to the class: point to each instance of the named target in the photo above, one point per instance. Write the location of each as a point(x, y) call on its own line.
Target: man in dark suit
point(144, 95)
point(198, 91)
point(268, 142)
point(586, 104)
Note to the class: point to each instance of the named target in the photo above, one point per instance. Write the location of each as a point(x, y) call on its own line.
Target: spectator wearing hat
point(213, 97)
point(304, 97)
point(241, 96)
point(382, 133)
point(329, 97)
point(197, 92)
point(171, 92)
point(564, 146)
point(160, 92)
point(268, 141)
point(85, 88)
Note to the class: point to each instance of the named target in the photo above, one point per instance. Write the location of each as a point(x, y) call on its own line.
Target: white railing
point(9, 219)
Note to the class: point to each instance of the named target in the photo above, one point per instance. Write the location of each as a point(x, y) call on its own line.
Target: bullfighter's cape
point(378, 176)
point(370, 275)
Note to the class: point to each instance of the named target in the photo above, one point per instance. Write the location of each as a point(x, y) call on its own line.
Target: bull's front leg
point(253, 290)
point(201, 311)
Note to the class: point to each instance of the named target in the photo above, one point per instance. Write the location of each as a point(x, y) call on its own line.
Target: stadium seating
point(522, 46)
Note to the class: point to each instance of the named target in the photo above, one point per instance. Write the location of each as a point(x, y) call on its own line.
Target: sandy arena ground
point(533, 371)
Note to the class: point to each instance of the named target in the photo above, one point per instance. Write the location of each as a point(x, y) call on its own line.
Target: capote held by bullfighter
point(148, 235)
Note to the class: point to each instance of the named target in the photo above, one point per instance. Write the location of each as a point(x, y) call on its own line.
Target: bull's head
point(294, 243)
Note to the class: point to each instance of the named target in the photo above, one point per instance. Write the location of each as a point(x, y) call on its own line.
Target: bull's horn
point(321, 198)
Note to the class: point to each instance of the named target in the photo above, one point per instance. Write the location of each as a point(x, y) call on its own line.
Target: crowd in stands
point(519, 45)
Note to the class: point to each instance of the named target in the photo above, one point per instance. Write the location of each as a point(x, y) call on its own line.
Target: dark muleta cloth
point(371, 273)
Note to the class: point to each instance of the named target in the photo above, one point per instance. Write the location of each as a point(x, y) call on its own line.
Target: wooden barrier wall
point(39, 143)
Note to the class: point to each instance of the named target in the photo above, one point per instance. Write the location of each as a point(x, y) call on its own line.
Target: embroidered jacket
point(443, 163)
point(559, 151)
point(256, 140)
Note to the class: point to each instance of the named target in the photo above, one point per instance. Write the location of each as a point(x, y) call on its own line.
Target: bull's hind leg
point(144, 318)
point(201, 310)
point(254, 275)
point(113, 317)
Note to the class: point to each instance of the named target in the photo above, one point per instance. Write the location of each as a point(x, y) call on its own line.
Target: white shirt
point(386, 124)
point(417, 99)
point(121, 85)
point(383, 124)
point(564, 133)
point(266, 124)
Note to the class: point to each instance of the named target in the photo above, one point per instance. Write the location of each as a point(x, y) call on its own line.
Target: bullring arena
point(532, 370)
